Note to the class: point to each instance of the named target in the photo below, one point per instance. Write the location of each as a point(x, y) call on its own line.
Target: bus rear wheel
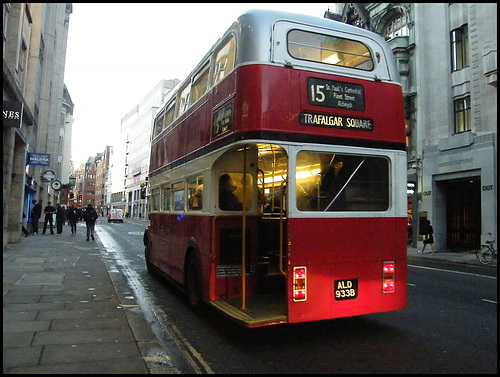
point(193, 284)
point(149, 266)
point(145, 240)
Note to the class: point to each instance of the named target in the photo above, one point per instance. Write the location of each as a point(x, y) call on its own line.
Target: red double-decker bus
point(277, 183)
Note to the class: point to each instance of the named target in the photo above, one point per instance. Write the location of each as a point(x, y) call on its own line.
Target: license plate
point(346, 289)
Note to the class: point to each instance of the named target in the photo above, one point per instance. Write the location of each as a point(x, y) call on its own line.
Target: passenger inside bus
point(333, 179)
point(273, 204)
point(227, 200)
point(305, 201)
point(196, 200)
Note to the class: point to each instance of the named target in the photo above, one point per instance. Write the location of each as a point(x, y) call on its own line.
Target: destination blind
point(338, 94)
point(335, 121)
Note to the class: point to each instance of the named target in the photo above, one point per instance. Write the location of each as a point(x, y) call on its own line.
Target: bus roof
point(255, 29)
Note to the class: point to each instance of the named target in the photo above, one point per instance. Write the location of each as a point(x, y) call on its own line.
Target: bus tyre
point(193, 284)
point(149, 266)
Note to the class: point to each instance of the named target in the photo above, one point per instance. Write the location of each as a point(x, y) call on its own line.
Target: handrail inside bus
point(345, 184)
point(282, 195)
point(261, 202)
point(244, 233)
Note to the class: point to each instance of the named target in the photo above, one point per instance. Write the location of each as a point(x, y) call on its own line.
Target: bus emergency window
point(335, 182)
point(166, 200)
point(195, 193)
point(200, 84)
point(178, 196)
point(326, 49)
point(224, 61)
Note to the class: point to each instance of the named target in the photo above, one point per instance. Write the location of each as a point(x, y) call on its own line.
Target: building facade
point(136, 135)
point(447, 58)
point(36, 149)
point(101, 186)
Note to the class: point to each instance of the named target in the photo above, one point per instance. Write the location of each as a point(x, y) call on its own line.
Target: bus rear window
point(320, 48)
point(334, 182)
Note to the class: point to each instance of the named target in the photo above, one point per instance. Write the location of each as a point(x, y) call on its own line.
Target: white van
point(115, 215)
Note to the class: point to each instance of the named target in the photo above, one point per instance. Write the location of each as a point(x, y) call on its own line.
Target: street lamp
point(413, 189)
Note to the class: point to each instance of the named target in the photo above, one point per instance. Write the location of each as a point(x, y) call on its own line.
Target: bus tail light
point(388, 277)
point(299, 284)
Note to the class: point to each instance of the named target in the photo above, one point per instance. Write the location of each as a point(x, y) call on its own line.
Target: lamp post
point(414, 184)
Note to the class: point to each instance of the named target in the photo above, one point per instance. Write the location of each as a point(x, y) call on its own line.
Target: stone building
point(36, 150)
point(447, 58)
point(136, 128)
point(102, 182)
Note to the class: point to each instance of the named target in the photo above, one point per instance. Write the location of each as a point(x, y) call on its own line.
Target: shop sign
point(42, 159)
point(12, 114)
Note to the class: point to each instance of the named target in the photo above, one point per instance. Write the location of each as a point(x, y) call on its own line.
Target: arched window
point(396, 27)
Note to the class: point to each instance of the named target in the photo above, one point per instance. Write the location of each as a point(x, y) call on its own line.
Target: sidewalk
point(66, 311)
point(464, 257)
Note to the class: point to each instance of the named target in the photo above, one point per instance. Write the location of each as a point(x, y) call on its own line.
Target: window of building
point(23, 56)
point(462, 109)
point(396, 27)
point(459, 48)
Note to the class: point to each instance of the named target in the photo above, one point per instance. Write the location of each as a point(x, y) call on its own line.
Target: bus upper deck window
point(305, 45)
point(224, 61)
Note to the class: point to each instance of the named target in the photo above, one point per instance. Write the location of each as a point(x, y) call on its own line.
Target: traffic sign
point(55, 184)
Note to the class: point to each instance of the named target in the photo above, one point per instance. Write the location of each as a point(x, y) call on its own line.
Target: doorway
point(463, 209)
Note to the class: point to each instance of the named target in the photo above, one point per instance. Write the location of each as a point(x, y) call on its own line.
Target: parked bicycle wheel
point(485, 255)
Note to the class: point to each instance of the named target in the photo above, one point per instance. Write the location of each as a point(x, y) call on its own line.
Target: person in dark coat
point(36, 213)
point(49, 210)
point(429, 236)
point(73, 215)
point(90, 216)
point(227, 200)
point(60, 218)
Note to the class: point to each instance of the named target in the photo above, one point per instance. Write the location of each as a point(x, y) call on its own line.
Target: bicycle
point(487, 253)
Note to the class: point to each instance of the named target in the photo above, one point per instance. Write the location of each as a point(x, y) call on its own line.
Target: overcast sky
point(117, 53)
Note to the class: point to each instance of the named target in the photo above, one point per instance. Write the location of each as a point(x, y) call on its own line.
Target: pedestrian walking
point(73, 215)
point(428, 236)
point(49, 210)
point(90, 216)
point(36, 213)
point(60, 218)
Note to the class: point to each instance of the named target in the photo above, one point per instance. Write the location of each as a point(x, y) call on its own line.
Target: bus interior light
point(299, 284)
point(388, 277)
